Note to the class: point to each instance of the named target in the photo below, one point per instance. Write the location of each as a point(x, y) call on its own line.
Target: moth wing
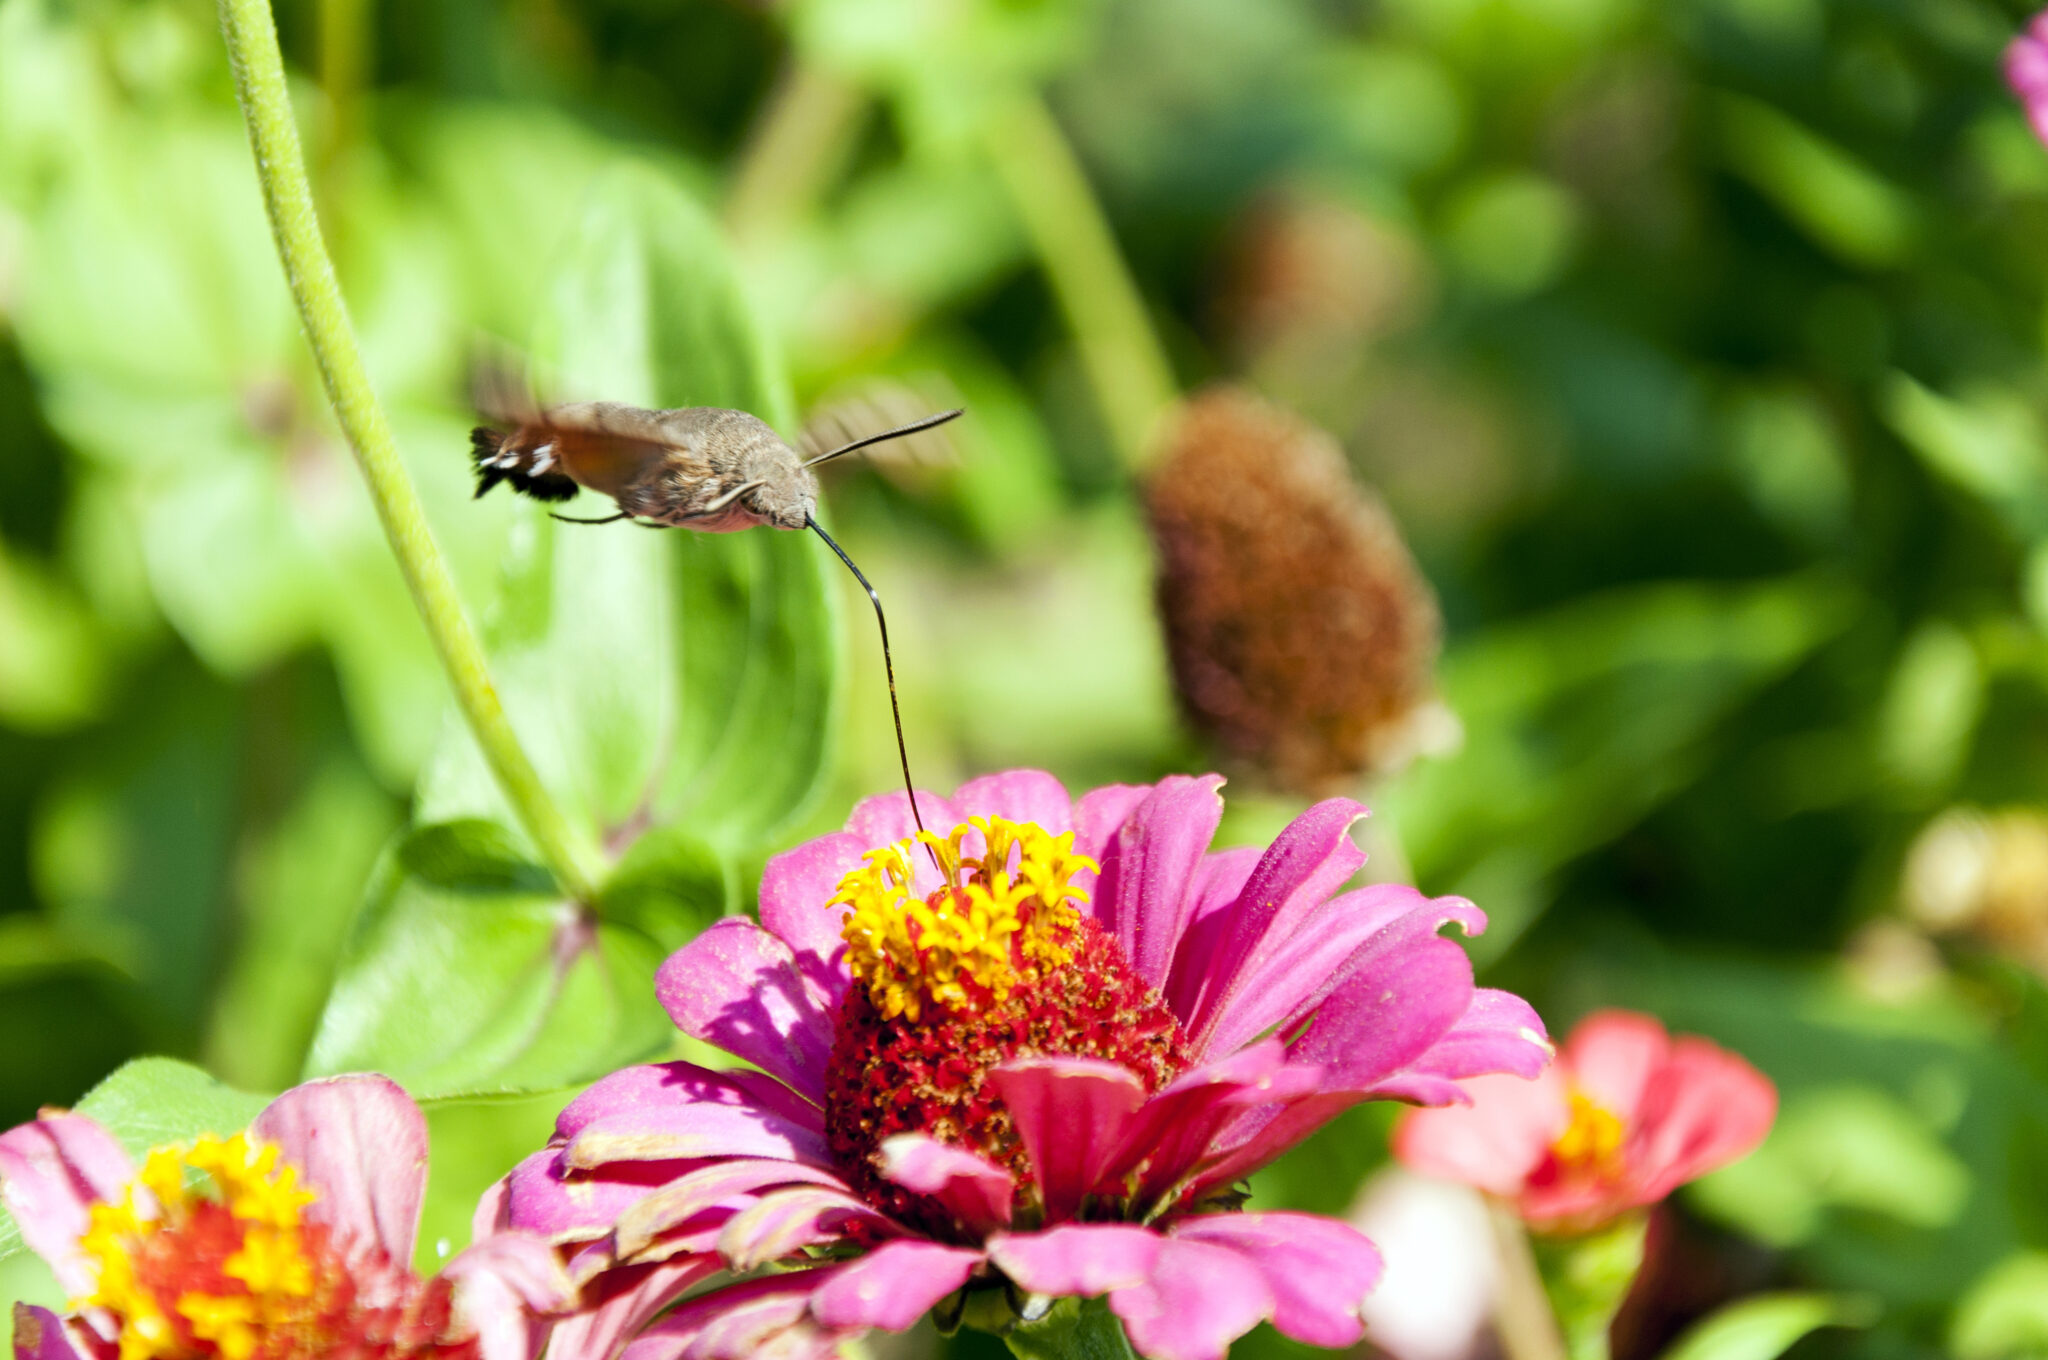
point(608, 446)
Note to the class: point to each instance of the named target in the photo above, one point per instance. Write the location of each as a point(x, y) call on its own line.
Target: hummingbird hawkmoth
point(696, 467)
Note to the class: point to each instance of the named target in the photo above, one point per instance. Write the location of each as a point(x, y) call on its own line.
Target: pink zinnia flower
point(1035, 1072)
point(297, 1243)
point(1625, 1116)
point(2026, 71)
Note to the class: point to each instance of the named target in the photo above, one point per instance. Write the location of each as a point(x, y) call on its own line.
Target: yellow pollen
point(1591, 1142)
point(263, 1200)
point(993, 924)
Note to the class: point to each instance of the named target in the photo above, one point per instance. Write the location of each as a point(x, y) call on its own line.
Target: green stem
point(281, 167)
point(1074, 1330)
point(795, 152)
point(1126, 364)
point(1522, 1315)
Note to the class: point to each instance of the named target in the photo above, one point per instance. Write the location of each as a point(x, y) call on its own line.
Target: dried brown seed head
point(1302, 637)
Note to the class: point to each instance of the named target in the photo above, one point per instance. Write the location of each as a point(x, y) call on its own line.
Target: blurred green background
point(1697, 345)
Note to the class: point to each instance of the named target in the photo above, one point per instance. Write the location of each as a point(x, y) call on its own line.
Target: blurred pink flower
point(1037, 1074)
point(2026, 71)
point(304, 1248)
point(1625, 1116)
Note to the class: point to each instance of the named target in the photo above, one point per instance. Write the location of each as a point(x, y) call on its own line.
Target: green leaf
point(481, 981)
point(671, 676)
point(1766, 1326)
point(149, 1102)
point(2005, 1313)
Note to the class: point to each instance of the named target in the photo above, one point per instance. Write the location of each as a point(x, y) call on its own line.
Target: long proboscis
point(914, 427)
point(888, 664)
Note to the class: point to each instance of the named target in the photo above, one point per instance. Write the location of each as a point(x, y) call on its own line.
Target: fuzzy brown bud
point(1302, 637)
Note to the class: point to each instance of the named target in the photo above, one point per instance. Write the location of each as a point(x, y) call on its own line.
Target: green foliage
point(1766, 1326)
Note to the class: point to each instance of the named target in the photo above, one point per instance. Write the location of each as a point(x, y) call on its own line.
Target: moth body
point(697, 467)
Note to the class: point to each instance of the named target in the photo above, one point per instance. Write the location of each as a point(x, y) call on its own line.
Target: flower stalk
point(1522, 1315)
point(251, 35)
point(1126, 364)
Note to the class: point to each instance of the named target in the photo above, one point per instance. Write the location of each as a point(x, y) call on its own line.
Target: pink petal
point(708, 1187)
point(1146, 894)
point(1020, 796)
point(627, 1300)
point(885, 819)
point(1319, 1269)
point(786, 1221)
point(1304, 866)
point(1407, 990)
point(973, 1189)
point(501, 1282)
point(739, 987)
point(1496, 1141)
point(1084, 1259)
point(40, 1334)
point(756, 1318)
point(52, 1171)
point(1705, 1108)
point(361, 1143)
point(1611, 1056)
point(795, 887)
point(493, 1211)
point(1499, 1032)
point(547, 1196)
point(1198, 1299)
point(892, 1286)
point(2026, 71)
point(1181, 1126)
point(1072, 1114)
point(1096, 819)
point(1259, 1135)
point(676, 1110)
point(1299, 972)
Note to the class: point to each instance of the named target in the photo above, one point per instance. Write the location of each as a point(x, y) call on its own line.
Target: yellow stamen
point(265, 1201)
point(992, 923)
point(1591, 1142)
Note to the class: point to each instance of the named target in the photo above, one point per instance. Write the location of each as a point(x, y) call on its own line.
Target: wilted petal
point(361, 1143)
point(1084, 1259)
point(1306, 863)
point(1145, 895)
point(1073, 1114)
point(1320, 1270)
point(892, 1286)
point(739, 987)
point(624, 1302)
point(706, 1187)
point(973, 1189)
point(1197, 1300)
point(501, 1283)
point(1020, 796)
point(788, 1220)
point(52, 1171)
point(40, 1334)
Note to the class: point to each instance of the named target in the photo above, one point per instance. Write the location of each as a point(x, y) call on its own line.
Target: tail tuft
point(484, 445)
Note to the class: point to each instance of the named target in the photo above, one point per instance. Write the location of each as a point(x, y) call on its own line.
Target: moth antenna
point(888, 666)
point(571, 519)
point(914, 427)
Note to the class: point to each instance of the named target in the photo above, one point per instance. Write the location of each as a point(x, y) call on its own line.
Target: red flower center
point(916, 1043)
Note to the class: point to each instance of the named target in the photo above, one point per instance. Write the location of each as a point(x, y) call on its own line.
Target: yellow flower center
point(194, 1273)
point(1591, 1142)
point(992, 924)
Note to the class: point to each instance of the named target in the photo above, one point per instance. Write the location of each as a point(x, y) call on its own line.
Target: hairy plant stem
point(1126, 364)
point(1075, 1329)
point(251, 37)
point(1522, 1315)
